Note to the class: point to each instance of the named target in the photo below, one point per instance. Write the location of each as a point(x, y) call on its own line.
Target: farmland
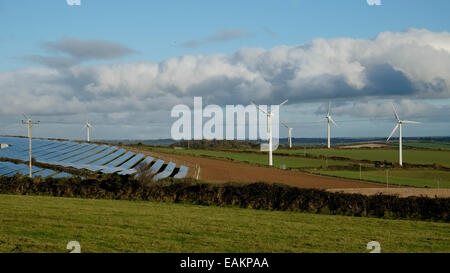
point(413, 177)
point(428, 145)
point(412, 156)
point(257, 157)
point(47, 224)
point(316, 161)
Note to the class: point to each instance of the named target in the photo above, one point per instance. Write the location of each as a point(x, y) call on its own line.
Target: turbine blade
point(257, 107)
point(25, 116)
point(284, 124)
point(283, 102)
point(333, 121)
point(410, 122)
point(329, 106)
point(393, 131)
point(395, 112)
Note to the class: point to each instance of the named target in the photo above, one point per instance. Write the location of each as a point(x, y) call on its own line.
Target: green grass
point(408, 177)
point(390, 155)
point(257, 158)
point(47, 224)
point(428, 145)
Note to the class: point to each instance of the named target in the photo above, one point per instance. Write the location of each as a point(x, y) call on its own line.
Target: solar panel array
point(93, 157)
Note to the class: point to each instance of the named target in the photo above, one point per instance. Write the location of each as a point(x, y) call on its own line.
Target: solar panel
point(59, 147)
point(6, 170)
point(45, 173)
point(182, 172)
point(79, 155)
point(64, 156)
point(44, 150)
point(109, 157)
point(61, 153)
point(98, 156)
point(132, 161)
point(155, 167)
point(166, 173)
point(128, 172)
point(146, 162)
point(87, 153)
point(62, 175)
point(116, 162)
point(110, 170)
point(26, 170)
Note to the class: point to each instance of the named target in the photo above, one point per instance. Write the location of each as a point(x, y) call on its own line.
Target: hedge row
point(255, 196)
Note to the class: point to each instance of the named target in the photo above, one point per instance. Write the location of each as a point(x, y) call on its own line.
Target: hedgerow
point(255, 196)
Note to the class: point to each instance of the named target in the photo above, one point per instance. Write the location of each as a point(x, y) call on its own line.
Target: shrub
point(254, 195)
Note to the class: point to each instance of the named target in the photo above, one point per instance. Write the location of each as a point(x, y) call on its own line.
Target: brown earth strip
point(218, 170)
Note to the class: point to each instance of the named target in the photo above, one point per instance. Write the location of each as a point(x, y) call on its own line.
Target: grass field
point(390, 155)
point(258, 158)
point(428, 145)
point(408, 177)
point(47, 224)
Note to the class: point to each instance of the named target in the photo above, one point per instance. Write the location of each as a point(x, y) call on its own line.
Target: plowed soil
point(218, 170)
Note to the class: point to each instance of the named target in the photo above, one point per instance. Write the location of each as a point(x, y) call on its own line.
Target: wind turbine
point(29, 124)
point(290, 133)
point(269, 127)
point(329, 118)
point(399, 126)
point(88, 127)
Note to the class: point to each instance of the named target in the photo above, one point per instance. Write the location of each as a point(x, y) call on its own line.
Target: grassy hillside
point(47, 224)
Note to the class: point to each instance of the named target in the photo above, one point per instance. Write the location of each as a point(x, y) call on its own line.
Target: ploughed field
point(227, 166)
point(222, 170)
point(47, 224)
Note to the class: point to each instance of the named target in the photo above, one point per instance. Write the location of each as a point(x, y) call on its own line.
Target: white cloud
point(373, 2)
point(411, 64)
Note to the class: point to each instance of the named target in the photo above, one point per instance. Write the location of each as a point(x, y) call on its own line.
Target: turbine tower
point(269, 128)
point(399, 126)
point(88, 127)
point(29, 124)
point(329, 118)
point(290, 133)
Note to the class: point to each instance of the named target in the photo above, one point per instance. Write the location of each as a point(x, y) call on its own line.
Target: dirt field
point(402, 192)
point(217, 170)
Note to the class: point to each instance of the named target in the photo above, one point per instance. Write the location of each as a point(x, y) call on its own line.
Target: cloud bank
point(414, 64)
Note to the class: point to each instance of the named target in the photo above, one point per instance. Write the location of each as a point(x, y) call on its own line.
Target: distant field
point(258, 158)
point(429, 145)
point(408, 177)
point(47, 224)
point(390, 155)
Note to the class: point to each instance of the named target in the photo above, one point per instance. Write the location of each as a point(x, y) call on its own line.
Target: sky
point(124, 64)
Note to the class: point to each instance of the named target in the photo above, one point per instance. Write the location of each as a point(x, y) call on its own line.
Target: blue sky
point(157, 29)
point(153, 32)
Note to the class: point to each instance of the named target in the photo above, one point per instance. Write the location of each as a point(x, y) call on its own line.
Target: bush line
point(255, 196)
